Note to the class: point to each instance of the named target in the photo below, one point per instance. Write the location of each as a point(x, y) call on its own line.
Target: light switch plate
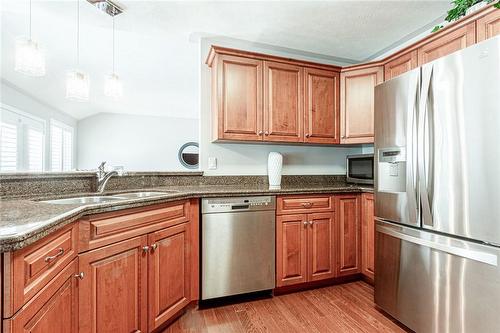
point(212, 163)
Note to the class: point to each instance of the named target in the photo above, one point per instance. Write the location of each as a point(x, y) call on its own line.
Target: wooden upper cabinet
point(239, 83)
point(321, 106)
point(447, 43)
point(357, 91)
point(321, 246)
point(348, 217)
point(283, 102)
point(402, 64)
point(367, 235)
point(291, 249)
point(112, 293)
point(489, 25)
point(168, 273)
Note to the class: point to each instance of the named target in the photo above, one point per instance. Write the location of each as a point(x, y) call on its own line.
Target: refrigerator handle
point(411, 149)
point(464, 252)
point(425, 148)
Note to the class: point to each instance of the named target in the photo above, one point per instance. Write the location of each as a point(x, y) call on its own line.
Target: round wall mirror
point(189, 155)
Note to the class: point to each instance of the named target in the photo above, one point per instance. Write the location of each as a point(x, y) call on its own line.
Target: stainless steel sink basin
point(132, 195)
point(86, 200)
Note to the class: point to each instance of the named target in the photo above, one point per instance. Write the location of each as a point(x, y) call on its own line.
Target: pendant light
point(30, 57)
point(77, 82)
point(113, 85)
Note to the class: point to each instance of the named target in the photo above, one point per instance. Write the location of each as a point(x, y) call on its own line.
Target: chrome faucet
point(103, 177)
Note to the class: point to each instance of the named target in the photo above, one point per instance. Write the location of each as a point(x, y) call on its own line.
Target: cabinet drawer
point(28, 270)
point(53, 309)
point(304, 204)
point(107, 228)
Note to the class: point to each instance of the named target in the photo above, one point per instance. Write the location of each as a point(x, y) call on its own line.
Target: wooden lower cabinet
point(113, 290)
point(367, 236)
point(349, 229)
point(168, 273)
point(291, 249)
point(321, 236)
point(54, 309)
point(305, 248)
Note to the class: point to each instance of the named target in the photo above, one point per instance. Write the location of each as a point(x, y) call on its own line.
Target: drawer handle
point(58, 254)
point(306, 204)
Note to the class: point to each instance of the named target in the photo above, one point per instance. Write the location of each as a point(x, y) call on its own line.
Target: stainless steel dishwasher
point(238, 245)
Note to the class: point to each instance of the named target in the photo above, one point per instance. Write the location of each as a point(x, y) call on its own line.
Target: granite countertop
point(23, 222)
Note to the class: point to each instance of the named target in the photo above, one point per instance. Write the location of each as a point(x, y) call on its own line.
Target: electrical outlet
point(212, 163)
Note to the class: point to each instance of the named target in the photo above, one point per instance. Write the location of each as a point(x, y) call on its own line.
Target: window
point(61, 146)
point(22, 141)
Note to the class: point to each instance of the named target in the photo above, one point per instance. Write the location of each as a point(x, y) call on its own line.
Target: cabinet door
point(239, 95)
point(291, 249)
point(400, 65)
point(447, 43)
point(283, 102)
point(321, 246)
point(357, 108)
point(488, 26)
point(367, 235)
point(112, 295)
point(349, 235)
point(168, 273)
point(321, 106)
point(54, 309)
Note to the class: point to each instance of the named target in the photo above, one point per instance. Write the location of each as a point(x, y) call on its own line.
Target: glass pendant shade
point(77, 86)
point(113, 86)
point(29, 58)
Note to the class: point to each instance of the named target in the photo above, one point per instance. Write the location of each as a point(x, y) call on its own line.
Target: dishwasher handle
point(240, 207)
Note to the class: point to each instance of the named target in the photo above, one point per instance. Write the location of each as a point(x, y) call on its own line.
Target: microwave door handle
point(411, 150)
point(424, 144)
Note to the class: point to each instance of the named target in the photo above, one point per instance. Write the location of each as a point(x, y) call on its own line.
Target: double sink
point(107, 198)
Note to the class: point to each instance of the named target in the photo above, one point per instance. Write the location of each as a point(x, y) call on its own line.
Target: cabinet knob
point(343, 136)
point(79, 275)
point(306, 204)
point(305, 223)
point(266, 132)
point(307, 135)
point(145, 249)
point(154, 246)
point(260, 133)
point(311, 222)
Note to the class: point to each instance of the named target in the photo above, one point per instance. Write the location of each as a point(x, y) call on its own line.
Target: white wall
point(138, 143)
point(251, 159)
point(23, 101)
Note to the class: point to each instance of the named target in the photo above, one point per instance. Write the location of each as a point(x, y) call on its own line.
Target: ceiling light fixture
point(30, 57)
point(113, 86)
point(77, 82)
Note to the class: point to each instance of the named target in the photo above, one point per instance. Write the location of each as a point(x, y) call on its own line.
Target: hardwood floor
point(342, 308)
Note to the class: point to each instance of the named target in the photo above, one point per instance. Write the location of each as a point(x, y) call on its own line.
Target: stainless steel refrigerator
point(437, 193)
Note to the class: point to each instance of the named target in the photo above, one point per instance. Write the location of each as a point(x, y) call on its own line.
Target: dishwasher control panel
point(234, 204)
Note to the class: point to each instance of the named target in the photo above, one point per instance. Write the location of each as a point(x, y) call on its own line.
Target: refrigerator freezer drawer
point(433, 283)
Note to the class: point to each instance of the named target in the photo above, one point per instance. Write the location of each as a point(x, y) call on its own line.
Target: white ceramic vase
point(274, 167)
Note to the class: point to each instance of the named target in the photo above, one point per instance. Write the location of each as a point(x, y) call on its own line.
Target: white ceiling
point(158, 54)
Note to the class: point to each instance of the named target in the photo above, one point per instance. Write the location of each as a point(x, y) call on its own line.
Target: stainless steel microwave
point(360, 168)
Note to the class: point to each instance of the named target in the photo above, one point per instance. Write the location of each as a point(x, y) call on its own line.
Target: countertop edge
point(21, 240)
